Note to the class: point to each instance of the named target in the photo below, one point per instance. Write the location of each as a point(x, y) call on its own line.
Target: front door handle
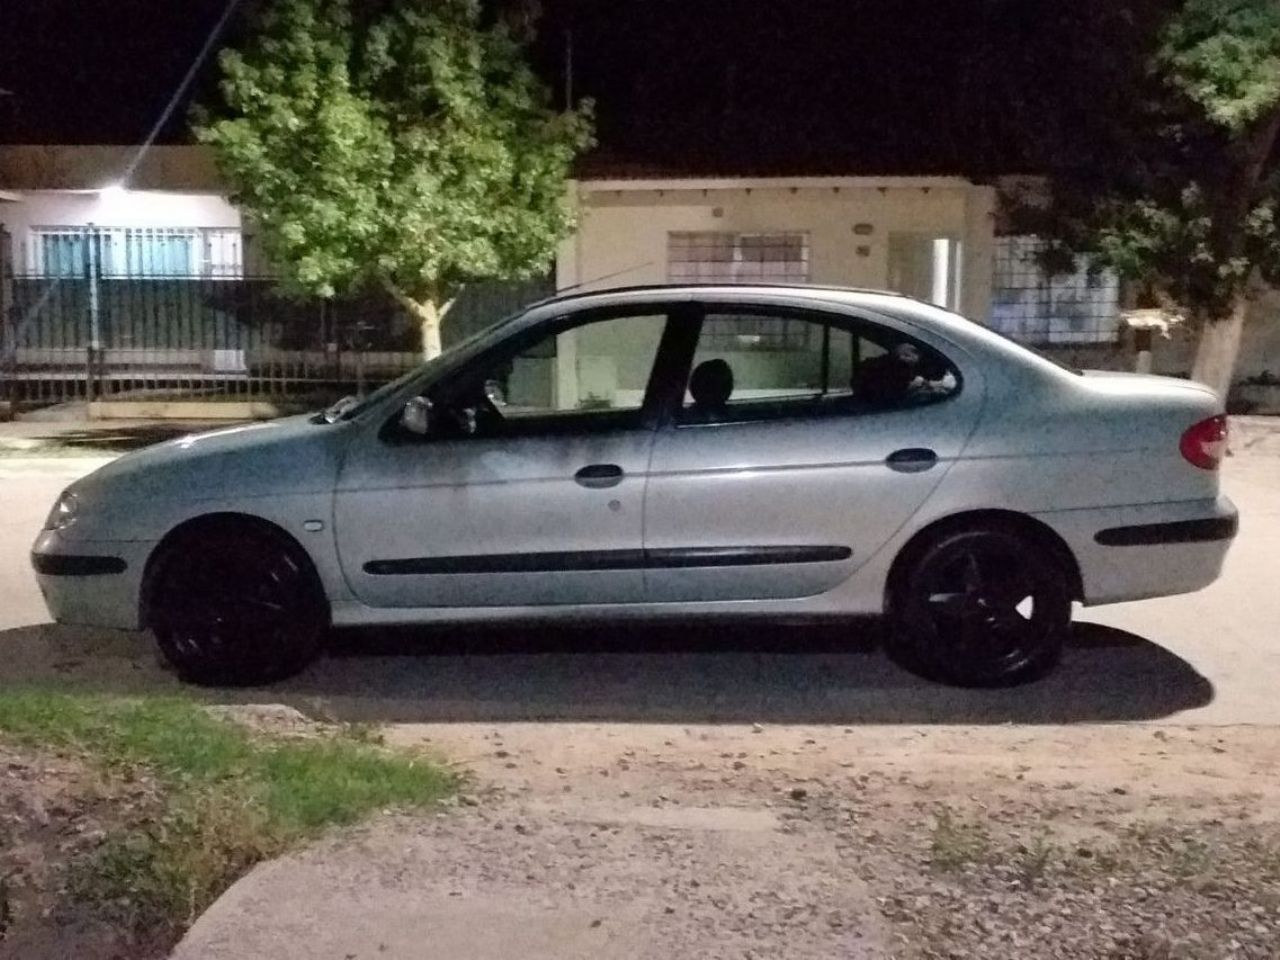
point(911, 460)
point(599, 475)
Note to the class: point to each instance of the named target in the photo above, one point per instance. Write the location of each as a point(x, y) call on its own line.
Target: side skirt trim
point(583, 560)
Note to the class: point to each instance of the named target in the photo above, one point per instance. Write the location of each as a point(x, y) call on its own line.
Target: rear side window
point(752, 365)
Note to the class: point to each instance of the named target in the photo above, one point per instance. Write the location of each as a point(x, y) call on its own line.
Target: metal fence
point(81, 321)
point(1028, 303)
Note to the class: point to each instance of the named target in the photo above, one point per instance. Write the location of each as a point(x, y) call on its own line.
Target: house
point(129, 272)
point(134, 275)
point(929, 236)
point(138, 269)
point(68, 205)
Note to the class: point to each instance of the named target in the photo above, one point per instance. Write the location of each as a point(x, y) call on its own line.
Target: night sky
point(694, 86)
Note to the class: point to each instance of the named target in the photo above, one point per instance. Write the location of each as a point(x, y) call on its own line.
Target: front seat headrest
point(711, 384)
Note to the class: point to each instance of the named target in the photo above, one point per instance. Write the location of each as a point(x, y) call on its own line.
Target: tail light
point(1205, 443)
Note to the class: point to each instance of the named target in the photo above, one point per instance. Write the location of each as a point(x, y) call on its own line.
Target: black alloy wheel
point(981, 608)
point(236, 605)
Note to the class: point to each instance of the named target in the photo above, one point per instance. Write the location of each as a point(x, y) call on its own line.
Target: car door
point(527, 489)
point(779, 477)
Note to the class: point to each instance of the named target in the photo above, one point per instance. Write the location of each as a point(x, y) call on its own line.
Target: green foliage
point(1225, 56)
point(228, 798)
point(1180, 193)
point(403, 144)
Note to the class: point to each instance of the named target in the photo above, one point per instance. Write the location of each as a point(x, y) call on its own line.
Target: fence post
point(8, 391)
point(91, 268)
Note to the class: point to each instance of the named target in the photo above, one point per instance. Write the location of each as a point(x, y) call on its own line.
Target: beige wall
point(43, 208)
point(91, 167)
point(623, 227)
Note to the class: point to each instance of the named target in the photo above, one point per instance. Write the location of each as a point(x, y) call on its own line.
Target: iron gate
point(169, 314)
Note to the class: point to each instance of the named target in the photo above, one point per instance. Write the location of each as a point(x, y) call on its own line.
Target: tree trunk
point(1218, 348)
point(429, 314)
point(1220, 338)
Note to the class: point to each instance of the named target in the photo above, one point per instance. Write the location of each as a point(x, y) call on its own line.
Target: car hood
point(291, 455)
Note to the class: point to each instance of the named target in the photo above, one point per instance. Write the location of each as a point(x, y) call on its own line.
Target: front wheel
point(980, 608)
point(236, 605)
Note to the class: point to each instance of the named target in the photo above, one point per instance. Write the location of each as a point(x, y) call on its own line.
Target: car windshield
point(349, 407)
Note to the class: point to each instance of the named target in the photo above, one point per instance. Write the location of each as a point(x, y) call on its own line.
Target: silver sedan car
point(674, 453)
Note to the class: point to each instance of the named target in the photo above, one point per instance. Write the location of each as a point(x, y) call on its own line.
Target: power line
point(181, 90)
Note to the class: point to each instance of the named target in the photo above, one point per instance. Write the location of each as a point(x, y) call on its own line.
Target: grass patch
point(955, 844)
point(1034, 859)
point(227, 797)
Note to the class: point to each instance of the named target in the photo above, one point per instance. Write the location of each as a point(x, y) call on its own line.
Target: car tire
point(979, 607)
point(235, 604)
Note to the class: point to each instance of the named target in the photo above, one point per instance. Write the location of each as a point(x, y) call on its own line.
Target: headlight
point(63, 513)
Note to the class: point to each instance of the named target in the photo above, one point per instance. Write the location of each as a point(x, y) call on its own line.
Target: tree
point(406, 145)
point(1177, 185)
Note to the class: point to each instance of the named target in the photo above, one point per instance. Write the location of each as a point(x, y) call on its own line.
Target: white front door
point(528, 490)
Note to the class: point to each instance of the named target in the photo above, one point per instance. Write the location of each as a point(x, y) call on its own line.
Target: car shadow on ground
point(691, 674)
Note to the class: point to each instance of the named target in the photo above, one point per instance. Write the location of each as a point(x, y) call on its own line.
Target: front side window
point(593, 375)
point(740, 371)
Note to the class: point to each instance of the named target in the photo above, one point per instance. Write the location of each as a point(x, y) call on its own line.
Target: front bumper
point(1150, 550)
point(91, 583)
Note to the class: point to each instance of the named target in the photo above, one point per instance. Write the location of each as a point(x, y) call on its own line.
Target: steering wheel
point(477, 415)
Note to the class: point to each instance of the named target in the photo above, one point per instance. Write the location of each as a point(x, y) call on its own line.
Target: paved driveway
point(1207, 658)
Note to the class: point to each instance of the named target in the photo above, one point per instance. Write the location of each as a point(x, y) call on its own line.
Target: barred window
point(136, 252)
point(1035, 307)
point(707, 257)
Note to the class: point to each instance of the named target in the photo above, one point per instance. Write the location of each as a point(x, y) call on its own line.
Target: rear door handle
point(911, 460)
point(599, 475)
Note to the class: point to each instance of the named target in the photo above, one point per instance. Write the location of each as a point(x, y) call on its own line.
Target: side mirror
point(416, 416)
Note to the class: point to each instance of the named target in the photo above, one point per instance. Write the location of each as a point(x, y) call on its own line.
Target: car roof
point(887, 303)
point(710, 290)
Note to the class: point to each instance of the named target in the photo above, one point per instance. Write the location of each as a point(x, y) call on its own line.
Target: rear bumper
point(90, 583)
point(1151, 550)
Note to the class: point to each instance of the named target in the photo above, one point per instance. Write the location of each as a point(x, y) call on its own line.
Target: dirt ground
point(581, 840)
point(54, 810)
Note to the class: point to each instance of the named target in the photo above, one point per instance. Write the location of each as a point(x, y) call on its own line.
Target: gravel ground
point(602, 841)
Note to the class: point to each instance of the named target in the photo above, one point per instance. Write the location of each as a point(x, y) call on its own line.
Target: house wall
point(132, 209)
point(43, 208)
point(92, 167)
point(622, 231)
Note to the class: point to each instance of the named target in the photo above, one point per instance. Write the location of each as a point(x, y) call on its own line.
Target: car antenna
point(607, 276)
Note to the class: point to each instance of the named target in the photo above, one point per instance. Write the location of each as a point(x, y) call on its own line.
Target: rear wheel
point(236, 604)
point(980, 607)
